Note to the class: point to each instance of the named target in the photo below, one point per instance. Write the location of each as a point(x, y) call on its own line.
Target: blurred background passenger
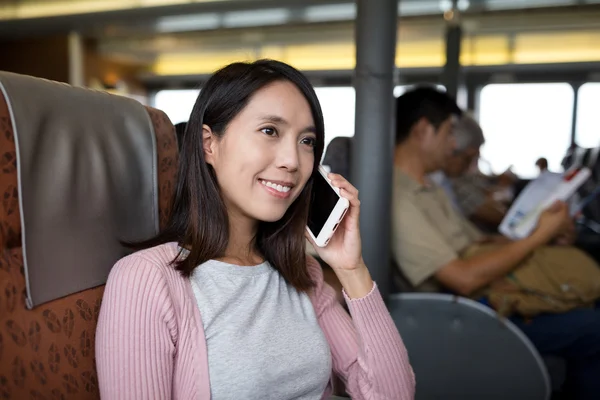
point(542, 165)
point(468, 187)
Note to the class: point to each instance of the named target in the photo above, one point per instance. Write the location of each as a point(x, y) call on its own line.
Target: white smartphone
point(327, 208)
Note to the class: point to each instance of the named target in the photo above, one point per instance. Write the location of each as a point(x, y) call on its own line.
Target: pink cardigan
point(150, 340)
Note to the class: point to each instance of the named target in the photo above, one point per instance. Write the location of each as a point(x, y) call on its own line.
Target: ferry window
point(523, 122)
point(177, 104)
point(338, 105)
point(587, 131)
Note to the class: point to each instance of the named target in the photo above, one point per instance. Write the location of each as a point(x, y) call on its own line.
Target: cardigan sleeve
point(135, 337)
point(368, 353)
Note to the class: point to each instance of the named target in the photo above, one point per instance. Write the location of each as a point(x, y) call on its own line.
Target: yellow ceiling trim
point(311, 57)
point(422, 53)
point(534, 48)
point(483, 50)
point(190, 64)
point(321, 56)
point(48, 8)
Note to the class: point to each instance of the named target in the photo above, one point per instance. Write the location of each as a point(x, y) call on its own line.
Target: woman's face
point(266, 155)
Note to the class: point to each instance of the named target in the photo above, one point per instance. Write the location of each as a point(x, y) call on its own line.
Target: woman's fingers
point(348, 192)
point(352, 199)
point(340, 182)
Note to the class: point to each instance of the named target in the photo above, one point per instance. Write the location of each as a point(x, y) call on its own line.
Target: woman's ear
point(208, 144)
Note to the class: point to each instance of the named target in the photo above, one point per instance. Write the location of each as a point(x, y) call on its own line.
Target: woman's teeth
point(279, 188)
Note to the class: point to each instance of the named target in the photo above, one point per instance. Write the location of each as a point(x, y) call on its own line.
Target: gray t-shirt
point(263, 337)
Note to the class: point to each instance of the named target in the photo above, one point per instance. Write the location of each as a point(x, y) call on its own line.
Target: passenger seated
point(542, 165)
point(471, 192)
point(438, 249)
point(224, 303)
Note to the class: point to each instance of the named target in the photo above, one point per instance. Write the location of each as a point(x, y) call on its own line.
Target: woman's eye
point(269, 131)
point(312, 142)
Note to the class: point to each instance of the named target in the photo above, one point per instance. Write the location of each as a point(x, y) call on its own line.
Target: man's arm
point(476, 203)
point(465, 276)
point(567, 235)
point(490, 213)
point(495, 239)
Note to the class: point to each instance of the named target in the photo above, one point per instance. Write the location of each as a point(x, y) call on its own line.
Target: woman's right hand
point(552, 221)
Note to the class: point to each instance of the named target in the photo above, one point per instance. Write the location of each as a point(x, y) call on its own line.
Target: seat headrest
point(338, 156)
point(87, 180)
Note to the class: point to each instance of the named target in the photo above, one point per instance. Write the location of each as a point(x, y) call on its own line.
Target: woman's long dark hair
point(199, 220)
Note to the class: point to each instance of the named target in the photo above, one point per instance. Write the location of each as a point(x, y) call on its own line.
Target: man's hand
point(552, 222)
point(567, 234)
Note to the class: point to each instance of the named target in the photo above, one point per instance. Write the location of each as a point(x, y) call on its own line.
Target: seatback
point(460, 349)
point(338, 156)
point(590, 158)
point(47, 325)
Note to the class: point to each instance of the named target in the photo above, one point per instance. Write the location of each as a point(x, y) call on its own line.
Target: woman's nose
point(287, 155)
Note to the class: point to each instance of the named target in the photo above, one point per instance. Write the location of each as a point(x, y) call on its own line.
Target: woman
point(224, 303)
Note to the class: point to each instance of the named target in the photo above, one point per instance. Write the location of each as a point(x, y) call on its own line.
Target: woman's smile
point(278, 189)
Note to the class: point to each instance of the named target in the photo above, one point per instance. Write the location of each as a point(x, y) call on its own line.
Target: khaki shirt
point(427, 232)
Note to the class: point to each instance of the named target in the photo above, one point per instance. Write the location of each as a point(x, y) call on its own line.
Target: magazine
point(538, 195)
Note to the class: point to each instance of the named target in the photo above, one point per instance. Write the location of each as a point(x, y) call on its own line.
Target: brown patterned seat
point(47, 352)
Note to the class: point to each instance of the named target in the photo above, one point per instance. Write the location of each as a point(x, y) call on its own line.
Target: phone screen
point(322, 203)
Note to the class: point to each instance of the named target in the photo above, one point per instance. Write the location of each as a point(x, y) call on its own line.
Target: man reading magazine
point(550, 292)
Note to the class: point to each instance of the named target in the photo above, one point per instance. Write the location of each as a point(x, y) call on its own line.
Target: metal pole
point(452, 75)
point(76, 60)
point(576, 87)
point(372, 161)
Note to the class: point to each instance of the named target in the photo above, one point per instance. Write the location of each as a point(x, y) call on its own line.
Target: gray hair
point(468, 134)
